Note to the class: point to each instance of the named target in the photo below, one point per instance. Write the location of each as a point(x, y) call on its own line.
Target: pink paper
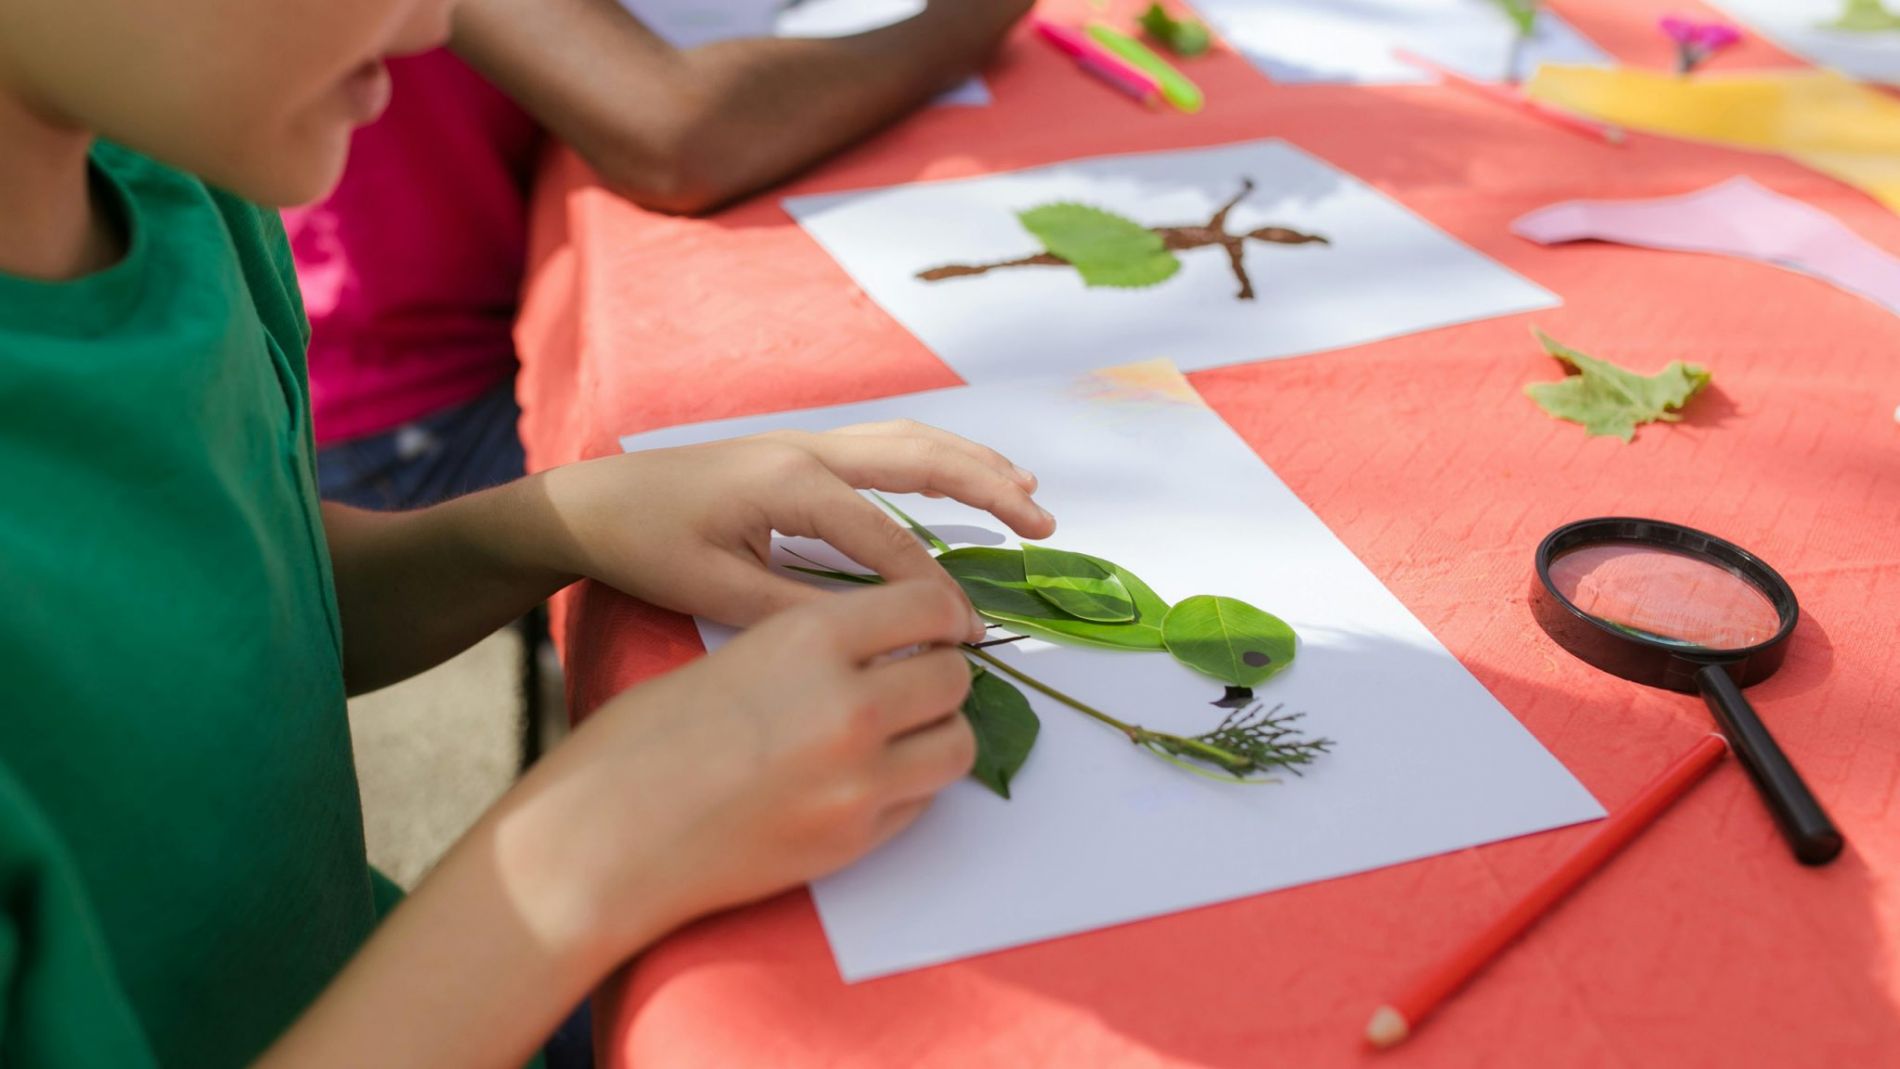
point(1736, 218)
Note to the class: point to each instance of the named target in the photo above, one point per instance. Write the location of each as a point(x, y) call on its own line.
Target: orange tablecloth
point(1704, 945)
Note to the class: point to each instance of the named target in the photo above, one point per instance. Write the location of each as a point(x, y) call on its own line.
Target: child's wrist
point(516, 529)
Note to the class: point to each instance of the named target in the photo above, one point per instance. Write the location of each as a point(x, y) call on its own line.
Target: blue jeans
point(444, 454)
point(573, 1045)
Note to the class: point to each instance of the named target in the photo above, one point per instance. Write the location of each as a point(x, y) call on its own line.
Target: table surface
point(1704, 944)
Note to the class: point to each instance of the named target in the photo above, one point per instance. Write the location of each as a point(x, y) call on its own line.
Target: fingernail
point(977, 627)
point(1047, 515)
point(1024, 476)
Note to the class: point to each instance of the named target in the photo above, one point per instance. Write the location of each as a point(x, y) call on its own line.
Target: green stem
point(1134, 733)
point(1214, 754)
point(1230, 777)
point(1160, 744)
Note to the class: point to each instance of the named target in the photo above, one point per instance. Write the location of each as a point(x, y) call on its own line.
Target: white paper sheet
point(1385, 272)
point(691, 23)
point(1795, 25)
point(1352, 41)
point(1097, 833)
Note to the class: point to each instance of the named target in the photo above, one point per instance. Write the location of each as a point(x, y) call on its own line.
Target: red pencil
point(1395, 1020)
point(1515, 98)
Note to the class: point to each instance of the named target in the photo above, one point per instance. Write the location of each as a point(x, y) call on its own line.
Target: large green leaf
point(995, 581)
point(1228, 639)
point(1078, 585)
point(1005, 728)
point(1607, 399)
point(1107, 249)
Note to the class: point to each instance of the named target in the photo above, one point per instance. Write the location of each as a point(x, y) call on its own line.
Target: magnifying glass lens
point(1665, 596)
point(1675, 607)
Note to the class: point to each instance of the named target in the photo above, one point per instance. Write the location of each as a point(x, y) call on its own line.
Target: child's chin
point(287, 179)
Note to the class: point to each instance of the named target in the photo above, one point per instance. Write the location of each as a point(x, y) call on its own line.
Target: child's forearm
point(490, 954)
point(689, 131)
point(797, 748)
point(416, 588)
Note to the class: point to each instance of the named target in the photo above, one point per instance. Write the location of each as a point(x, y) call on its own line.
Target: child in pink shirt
point(410, 272)
point(412, 268)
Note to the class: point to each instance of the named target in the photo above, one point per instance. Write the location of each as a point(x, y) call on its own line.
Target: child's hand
point(690, 528)
point(787, 754)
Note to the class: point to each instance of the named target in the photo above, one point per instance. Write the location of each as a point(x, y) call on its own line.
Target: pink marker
point(1098, 61)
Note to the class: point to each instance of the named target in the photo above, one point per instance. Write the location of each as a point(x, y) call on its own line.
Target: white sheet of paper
point(691, 23)
point(1796, 26)
point(1097, 833)
point(1386, 272)
point(1294, 41)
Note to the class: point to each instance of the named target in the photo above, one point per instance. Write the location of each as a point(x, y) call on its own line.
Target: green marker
point(1175, 87)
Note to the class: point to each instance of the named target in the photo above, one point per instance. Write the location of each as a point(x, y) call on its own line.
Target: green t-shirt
point(181, 841)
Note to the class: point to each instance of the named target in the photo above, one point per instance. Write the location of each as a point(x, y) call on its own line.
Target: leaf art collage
point(1061, 596)
point(1150, 667)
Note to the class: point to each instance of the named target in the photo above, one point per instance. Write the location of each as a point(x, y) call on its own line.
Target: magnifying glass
point(1670, 606)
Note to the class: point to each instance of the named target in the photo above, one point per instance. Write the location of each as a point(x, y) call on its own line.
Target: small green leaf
point(1522, 13)
point(1864, 16)
point(1078, 585)
point(1105, 248)
point(1182, 36)
point(996, 584)
point(1228, 639)
point(1607, 399)
point(1005, 728)
point(930, 537)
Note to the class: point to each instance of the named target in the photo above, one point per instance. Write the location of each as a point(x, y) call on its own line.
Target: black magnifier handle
point(1802, 820)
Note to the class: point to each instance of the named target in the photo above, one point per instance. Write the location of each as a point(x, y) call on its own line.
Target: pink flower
point(1696, 41)
point(1716, 36)
point(1679, 29)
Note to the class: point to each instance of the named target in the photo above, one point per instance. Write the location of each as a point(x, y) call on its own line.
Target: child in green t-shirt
point(180, 844)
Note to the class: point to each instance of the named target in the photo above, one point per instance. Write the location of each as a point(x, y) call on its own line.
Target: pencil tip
point(1387, 1028)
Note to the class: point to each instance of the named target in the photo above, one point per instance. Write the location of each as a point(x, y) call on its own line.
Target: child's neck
point(54, 226)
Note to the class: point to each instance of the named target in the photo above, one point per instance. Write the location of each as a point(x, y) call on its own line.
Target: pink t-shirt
point(411, 270)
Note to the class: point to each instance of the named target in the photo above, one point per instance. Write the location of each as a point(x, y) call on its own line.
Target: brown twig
point(1174, 239)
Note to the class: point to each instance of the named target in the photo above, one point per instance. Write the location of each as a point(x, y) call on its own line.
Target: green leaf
point(1864, 16)
point(1228, 639)
point(1078, 585)
point(930, 537)
point(995, 581)
point(1522, 13)
point(1607, 399)
point(1005, 728)
point(1183, 36)
point(1107, 249)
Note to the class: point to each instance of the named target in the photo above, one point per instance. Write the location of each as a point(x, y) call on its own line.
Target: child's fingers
point(917, 690)
point(930, 758)
point(910, 428)
point(898, 615)
point(743, 592)
point(830, 510)
point(896, 819)
point(917, 464)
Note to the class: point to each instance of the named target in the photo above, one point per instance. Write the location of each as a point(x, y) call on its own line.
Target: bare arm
point(416, 588)
point(689, 131)
point(686, 529)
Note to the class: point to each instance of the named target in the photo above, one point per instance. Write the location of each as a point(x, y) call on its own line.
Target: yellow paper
point(1829, 122)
